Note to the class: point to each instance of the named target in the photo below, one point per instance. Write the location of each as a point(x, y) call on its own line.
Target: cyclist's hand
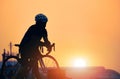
point(49, 49)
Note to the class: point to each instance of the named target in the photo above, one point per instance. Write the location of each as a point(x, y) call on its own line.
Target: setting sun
point(79, 63)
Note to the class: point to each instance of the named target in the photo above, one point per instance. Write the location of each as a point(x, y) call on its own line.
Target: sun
point(80, 63)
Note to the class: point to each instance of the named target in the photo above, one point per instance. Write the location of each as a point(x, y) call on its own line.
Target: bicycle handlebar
point(52, 46)
point(41, 47)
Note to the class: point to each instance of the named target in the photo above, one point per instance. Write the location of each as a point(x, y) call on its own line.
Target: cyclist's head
point(41, 18)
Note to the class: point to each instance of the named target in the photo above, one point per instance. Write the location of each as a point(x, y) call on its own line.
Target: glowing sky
point(80, 28)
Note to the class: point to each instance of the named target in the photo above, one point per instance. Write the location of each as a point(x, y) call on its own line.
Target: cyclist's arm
point(45, 38)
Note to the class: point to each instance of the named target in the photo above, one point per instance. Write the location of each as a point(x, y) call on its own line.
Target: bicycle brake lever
point(54, 47)
point(41, 48)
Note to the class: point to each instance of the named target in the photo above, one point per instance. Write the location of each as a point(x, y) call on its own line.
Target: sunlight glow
point(79, 63)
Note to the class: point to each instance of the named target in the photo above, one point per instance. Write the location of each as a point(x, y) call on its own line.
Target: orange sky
point(80, 28)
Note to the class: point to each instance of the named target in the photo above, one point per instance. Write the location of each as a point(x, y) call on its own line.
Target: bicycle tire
point(48, 62)
point(4, 68)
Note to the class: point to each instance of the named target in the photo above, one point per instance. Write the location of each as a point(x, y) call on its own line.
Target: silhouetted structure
point(8, 53)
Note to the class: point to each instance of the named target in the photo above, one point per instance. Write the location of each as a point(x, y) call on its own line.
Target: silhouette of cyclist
point(29, 46)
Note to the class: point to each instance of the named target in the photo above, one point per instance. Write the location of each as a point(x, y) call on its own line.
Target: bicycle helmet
point(41, 18)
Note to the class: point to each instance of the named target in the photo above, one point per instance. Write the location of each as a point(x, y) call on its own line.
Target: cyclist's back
point(31, 40)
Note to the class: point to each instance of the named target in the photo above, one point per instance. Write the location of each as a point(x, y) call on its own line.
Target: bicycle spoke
point(48, 62)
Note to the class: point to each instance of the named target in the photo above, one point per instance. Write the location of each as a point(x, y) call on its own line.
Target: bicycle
point(44, 64)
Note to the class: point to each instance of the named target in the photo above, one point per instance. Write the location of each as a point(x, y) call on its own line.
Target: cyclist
point(29, 46)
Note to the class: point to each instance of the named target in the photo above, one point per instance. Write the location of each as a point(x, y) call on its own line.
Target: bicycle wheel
point(48, 62)
point(10, 67)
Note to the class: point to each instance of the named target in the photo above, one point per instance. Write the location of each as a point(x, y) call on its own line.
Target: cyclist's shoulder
point(37, 29)
point(32, 27)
